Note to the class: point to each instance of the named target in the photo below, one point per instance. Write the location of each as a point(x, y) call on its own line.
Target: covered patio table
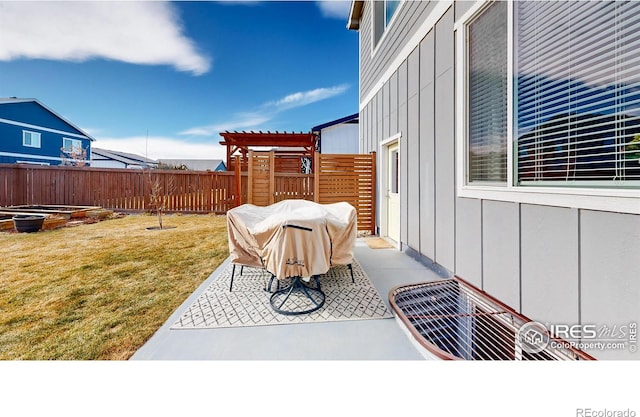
point(295, 239)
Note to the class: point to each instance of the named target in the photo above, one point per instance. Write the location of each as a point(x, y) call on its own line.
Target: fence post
point(238, 176)
point(250, 178)
point(316, 177)
point(272, 179)
point(373, 192)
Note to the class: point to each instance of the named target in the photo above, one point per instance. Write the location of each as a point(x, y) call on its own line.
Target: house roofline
point(124, 157)
point(354, 15)
point(12, 100)
point(335, 122)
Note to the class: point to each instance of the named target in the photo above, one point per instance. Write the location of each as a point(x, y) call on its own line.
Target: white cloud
point(337, 9)
point(303, 98)
point(146, 32)
point(267, 111)
point(241, 121)
point(163, 147)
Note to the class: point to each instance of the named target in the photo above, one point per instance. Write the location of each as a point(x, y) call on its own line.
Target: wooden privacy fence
point(116, 189)
point(349, 178)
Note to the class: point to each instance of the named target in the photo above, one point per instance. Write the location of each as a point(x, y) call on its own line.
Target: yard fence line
point(116, 189)
point(191, 191)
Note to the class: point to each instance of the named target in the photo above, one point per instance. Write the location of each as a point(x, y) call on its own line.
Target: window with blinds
point(577, 90)
point(487, 95)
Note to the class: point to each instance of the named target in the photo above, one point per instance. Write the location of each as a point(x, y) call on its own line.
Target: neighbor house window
point(71, 145)
point(30, 139)
point(487, 96)
point(577, 92)
point(383, 12)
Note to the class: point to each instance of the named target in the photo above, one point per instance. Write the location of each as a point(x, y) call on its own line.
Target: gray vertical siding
point(365, 128)
point(462, 7)
point(469, 240)
point(386, 112)
point(556, 265)
point(445, 184)
point(404, 154)
point(609, 271)
point(549, 267)
point(413, 150)
point(426, 123)
point(405, 24)
point(393, 104)
point(501, 251)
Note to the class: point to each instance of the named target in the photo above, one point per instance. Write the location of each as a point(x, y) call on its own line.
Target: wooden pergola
point(242, 141)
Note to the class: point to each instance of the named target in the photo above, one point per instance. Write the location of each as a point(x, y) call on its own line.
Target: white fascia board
point(24, 155)
point(46, 129)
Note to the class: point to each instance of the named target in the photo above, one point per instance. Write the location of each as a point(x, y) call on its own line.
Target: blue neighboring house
point(32, 133)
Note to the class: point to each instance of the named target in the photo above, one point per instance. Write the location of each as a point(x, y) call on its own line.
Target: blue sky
point(162, 79)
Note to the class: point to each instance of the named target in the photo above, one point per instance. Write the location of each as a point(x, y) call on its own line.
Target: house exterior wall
point(564, 265)
point(30, 116)
point(107, 163)
point(341, 138)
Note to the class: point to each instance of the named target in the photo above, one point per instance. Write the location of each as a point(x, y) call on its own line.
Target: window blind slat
point(487, 99)
point(578, 91)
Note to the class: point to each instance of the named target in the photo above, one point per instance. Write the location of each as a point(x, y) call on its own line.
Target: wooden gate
point(261, 179)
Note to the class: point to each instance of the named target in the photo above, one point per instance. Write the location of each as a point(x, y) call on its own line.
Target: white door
point(393, 196)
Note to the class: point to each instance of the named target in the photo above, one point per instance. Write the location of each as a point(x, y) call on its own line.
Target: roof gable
point(32, 112)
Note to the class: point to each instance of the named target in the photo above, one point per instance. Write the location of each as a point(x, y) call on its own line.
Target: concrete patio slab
point(381, 339)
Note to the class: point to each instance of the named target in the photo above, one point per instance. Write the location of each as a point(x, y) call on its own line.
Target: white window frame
point(375, 45)
point(31, 136)
point(623, 200)
point(74, 142)
point(33, 163)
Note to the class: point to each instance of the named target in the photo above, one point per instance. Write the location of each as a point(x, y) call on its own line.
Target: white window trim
point(374, 45)
point(33, 163)
point(390, 140)
point(24, 155)
point(32, 133)
point(621, 200)
point(73, 141)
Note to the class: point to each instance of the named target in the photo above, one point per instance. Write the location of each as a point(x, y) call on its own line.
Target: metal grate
point(451, 319)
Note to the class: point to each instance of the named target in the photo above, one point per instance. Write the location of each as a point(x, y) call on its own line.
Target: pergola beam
point(242, 141)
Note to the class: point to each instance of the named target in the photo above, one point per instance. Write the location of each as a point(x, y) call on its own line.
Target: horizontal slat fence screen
point(289, 186)
point(350, 178)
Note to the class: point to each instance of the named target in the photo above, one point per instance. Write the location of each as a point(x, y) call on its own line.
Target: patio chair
point(233, 273)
